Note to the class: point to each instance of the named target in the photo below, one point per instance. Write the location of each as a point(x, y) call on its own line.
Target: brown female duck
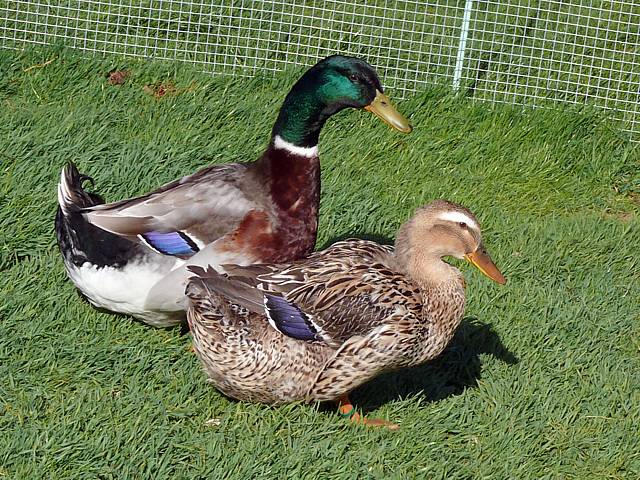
point(315, 329)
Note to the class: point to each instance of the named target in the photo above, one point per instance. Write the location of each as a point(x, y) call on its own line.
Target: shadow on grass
point(456, 369)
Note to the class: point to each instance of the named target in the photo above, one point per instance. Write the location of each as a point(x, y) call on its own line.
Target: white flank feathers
point(124, 290)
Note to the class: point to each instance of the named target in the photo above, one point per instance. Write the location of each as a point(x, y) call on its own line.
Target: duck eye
point(462, 225)
point(354, 77)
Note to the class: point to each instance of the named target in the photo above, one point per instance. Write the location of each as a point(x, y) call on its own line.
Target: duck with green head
point(131, 256)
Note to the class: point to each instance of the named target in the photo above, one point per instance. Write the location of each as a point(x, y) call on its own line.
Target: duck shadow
point(459, 367)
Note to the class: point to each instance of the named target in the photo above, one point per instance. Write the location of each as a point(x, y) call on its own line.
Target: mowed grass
point(541, 380)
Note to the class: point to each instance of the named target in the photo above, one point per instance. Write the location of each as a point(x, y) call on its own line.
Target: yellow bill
point(483, 262)
point(381, 107)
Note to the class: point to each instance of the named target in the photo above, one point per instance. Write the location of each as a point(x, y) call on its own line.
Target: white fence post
point(462, 44)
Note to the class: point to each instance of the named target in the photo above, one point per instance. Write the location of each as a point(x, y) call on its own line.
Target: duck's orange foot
point(347, 409)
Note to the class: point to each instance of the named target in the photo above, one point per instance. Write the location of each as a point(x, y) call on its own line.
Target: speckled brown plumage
point(316, 328)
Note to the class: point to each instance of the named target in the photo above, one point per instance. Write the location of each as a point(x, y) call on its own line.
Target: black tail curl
point(71, 194)
point(79, 240)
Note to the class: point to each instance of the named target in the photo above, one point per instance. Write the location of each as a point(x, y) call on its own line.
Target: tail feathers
point(71, 196)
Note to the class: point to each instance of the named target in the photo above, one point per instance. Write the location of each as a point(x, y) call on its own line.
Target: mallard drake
point(131, 256)
point(315, 329)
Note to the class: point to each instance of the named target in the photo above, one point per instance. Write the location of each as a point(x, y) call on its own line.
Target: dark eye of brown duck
point(462, 225)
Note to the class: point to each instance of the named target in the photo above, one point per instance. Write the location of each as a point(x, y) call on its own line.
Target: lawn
point(541, 380)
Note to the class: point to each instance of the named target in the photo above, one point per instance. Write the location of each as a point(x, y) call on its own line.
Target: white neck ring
point(281, 144)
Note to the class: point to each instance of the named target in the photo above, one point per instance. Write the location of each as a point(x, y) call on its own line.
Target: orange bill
point(381, 107)
point(483, 262)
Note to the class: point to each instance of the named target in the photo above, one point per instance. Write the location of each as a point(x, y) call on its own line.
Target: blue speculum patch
point(289, 319)
point(171, 243)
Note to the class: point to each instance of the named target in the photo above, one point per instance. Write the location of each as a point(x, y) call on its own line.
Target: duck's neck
point(290, 175)
point(442, 288)
point(426, 268)
point(290, 166)
point(302, 116)
point(431, 272)
point(284, 147)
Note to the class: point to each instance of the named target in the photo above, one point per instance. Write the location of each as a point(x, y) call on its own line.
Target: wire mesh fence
point(517, 51)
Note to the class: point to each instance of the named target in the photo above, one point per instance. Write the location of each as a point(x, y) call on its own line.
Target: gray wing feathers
point(179, 205)
point(233, 290)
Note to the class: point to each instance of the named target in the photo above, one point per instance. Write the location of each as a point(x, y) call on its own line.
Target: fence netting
point(516, 51)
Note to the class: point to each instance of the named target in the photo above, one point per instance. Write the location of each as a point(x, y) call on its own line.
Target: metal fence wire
point(514, 51)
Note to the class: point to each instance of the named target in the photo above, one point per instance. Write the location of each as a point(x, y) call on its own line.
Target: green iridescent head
point(335, 83)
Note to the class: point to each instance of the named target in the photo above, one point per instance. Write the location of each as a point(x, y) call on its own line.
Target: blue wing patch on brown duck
point(288, 319)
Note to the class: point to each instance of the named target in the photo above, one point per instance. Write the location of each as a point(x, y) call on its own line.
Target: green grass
point(540, 382)
point(518, 52)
